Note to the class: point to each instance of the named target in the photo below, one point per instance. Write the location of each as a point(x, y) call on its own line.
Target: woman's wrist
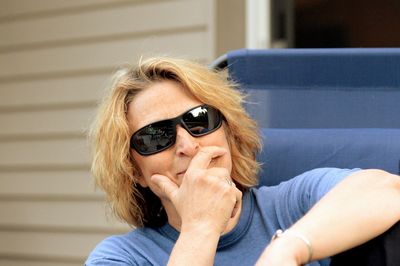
point(196, 245)
point(296, 243)
point(200, 228)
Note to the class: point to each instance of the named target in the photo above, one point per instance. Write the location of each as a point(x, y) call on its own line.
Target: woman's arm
point(362, 206)
point(205, 205)
point(195, 246)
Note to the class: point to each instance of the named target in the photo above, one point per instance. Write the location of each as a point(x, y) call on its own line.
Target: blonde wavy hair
point(113, 167)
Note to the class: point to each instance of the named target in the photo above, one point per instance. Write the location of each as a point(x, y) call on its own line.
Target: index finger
point(205, 155)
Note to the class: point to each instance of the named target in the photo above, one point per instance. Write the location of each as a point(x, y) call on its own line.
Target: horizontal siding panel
point(36, 244)
point(22, 262)
point(191, 44)
point(63, 121)
point(11, 8)
point(104, 23)
point(107, 54)
point(31, 183)
point(56, 215)
point(68, 90)
point(44, 153)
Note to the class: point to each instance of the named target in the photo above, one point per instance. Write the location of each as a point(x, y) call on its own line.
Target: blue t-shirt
point(264, 210)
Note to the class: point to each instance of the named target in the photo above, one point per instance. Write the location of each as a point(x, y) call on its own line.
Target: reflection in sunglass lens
point(154, 137)
point(201, 120)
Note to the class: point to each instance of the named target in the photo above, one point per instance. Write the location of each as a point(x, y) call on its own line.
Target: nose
point(186, 144)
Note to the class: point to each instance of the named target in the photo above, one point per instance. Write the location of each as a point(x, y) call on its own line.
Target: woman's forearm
point(195, 246)
point(362, 206)
point(359, 208)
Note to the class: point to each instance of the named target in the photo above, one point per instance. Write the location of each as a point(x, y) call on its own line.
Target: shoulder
point(116, 249)
point(291, 199)
point(329, 172)
point(328, 176)
point(321, 178)
point(141, 246)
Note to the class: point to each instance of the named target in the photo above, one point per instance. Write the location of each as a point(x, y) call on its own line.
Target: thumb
point(165, 186)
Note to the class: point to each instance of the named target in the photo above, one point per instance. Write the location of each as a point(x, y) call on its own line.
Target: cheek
point(219, 138)
point(228, 162)
point(159, 163)
point(228, 157)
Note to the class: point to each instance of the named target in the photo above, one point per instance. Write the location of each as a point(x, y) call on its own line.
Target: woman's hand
point(206, 198)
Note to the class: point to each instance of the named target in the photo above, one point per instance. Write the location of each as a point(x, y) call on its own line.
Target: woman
point(174, 151)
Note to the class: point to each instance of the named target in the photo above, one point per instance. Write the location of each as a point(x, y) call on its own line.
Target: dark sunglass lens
point(154, 137)
point(201, 120)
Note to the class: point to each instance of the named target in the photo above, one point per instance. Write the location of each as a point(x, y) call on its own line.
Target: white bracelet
point(279, 233)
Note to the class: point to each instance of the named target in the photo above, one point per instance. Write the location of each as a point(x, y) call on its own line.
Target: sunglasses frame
point(174, 122)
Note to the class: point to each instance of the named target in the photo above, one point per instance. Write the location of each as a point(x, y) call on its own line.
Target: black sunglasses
point(161, 135)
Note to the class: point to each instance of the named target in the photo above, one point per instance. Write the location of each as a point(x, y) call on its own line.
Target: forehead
point(161, 100)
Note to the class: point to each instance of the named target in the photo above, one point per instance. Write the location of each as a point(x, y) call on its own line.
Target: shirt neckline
point(229, 238)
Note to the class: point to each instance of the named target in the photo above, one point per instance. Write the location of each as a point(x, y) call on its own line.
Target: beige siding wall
point(230, 25)
point(55, 59)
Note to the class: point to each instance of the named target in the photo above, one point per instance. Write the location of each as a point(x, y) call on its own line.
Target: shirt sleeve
point(298, 195)
point(110, 252)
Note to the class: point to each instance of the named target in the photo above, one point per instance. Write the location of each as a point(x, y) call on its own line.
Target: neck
point(175, 221)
